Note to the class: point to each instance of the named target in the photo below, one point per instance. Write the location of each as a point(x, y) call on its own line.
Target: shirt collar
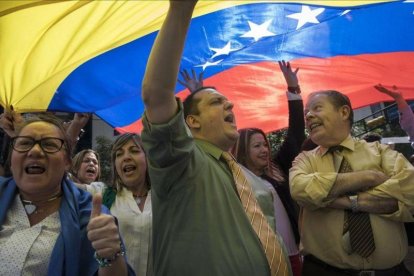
point(348, 143)
point(209, 148)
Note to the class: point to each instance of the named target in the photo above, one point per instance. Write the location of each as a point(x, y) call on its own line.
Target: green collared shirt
point(199, 225)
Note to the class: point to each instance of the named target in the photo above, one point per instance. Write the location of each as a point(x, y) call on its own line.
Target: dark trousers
point(315, 267)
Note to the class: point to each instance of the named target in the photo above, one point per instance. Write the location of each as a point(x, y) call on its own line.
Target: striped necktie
point(358, 224)
point(276, 258)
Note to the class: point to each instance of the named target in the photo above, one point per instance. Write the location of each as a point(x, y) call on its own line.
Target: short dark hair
point(190, 104)
point(338, 100)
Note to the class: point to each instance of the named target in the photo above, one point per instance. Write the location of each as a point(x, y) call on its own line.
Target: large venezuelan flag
point(90, 56)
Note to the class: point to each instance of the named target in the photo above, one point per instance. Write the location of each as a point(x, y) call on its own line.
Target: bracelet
point(105, 262)
point(294, 89)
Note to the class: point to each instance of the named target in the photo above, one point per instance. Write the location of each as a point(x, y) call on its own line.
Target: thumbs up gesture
point(102, 231)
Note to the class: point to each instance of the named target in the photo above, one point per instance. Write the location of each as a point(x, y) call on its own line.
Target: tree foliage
point(103, 148)
point(276, 139)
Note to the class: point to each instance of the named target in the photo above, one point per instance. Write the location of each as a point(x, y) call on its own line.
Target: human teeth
point(312, 126)
point(129, 168)
point(35, 170)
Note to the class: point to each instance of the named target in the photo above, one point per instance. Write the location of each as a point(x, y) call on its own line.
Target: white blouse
point(135, 227)
point(26, 250)
point(283, 226)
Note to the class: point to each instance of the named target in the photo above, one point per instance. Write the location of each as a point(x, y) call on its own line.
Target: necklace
point(139, 198)
point(31, 206)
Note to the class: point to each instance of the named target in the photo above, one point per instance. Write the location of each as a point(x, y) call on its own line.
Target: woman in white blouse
point(129, 199)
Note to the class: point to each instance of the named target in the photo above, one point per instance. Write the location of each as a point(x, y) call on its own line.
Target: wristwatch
point(105, 262)
point(354, 203)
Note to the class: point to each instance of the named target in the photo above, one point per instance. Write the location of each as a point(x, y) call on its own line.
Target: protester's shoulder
point(311, 153)
point(362, 144)
point(176, 120)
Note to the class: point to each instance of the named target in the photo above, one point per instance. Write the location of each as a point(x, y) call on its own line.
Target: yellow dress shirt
point(311, 178)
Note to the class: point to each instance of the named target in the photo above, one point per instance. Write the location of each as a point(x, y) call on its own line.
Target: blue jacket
point(73, 252)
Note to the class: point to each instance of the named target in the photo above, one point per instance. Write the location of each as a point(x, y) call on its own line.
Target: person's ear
point(345, 112)
point(193, 121)
point(68, 164)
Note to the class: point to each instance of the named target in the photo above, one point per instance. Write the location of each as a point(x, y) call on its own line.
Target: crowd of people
point(194, 195)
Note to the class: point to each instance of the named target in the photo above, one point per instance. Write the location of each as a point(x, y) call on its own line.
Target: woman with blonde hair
point(128, 197)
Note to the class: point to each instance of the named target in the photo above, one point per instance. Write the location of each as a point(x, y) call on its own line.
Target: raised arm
point(9, 120)
point(296, 129)
point(163, 64)
point(394, 93)
point(75, 127)
point(406, 114)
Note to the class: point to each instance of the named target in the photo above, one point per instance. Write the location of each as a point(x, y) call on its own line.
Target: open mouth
point(91, 170)
point(230, 118)
point(314, 125)
point(34, 169)
point(129, 168)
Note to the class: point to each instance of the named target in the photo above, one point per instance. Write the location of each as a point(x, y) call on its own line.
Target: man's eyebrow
point(221, 97)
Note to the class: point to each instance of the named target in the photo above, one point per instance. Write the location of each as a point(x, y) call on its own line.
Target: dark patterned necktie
point(276, 258)
point(358, 224)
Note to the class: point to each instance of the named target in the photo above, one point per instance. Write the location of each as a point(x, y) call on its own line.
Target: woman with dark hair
point(252, 150)
point(85, 167)
point(48, 226)
point(129, 199)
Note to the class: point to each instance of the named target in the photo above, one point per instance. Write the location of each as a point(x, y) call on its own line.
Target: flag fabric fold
point(90, 56)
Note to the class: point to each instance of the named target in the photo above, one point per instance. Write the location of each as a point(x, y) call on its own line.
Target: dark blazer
point(284, 158)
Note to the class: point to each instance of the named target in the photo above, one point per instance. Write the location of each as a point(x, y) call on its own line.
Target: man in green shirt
point(200, 226)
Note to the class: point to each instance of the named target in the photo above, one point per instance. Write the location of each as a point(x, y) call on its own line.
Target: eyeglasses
point(47, 144)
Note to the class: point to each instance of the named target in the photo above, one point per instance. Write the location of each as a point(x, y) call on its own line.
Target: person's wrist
point(354, 203)
point(106, 262)
point(294, 89)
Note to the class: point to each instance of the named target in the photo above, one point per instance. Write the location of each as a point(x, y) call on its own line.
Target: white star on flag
point(208, 63)
point(259, 31)
point(307, 15)
point(223, 51)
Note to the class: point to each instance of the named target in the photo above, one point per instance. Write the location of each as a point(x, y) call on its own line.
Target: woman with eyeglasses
point(48, 225)
point(85, 167)
point(129, 199)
